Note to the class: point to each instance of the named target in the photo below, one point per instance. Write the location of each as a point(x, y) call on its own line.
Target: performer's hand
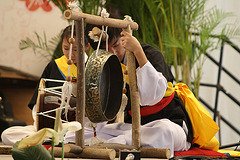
point(131, 44)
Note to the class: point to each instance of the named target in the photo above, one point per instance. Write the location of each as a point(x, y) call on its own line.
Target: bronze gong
point(104, 84)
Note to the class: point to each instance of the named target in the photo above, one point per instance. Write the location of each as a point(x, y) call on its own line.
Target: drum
point(104, 85)
point(46, 102)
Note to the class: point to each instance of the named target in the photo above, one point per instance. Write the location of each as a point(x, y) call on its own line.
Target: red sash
point(148, 110)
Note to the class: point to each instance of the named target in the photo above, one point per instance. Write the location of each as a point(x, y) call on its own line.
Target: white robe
point(162, 133)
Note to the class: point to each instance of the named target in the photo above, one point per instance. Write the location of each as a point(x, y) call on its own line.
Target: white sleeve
point(152, 85)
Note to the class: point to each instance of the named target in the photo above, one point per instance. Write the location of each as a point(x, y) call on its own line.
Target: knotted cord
point(53, 91)
point(67, 86)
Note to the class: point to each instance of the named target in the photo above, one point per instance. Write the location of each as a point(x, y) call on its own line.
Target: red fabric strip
point(148, 110)
point(199, 152)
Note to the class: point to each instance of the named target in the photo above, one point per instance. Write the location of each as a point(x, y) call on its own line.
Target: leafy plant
point(43, 47)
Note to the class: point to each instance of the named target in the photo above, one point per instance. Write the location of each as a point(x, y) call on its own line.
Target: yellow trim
point(63, 66)
point(170, 90)
point(123, 69)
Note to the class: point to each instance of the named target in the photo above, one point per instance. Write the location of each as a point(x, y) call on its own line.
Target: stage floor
point(9, 157)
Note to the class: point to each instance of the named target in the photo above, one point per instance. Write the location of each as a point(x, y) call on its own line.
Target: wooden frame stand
point(106, 151)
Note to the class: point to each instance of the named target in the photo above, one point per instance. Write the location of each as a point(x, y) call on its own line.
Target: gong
point(104, 85)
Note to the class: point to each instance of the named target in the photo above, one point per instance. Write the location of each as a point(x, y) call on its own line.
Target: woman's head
point(65, 37)
point(114, 41)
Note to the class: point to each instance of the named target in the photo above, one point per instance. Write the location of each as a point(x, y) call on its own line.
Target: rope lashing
point(94, 34)
point(46, 115)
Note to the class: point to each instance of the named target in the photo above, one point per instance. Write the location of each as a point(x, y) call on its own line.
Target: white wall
point(231, 61)
point(17, 23)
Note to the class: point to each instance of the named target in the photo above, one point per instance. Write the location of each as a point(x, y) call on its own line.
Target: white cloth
point(156, 134)
point(13, 134)
point(152, 85)
point(86, 57)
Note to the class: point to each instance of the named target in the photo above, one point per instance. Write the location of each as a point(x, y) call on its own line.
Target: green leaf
point(23, 45)
point(37, 152)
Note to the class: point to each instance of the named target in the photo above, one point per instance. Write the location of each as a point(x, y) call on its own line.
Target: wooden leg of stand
point(80, 109)
point(136, 118)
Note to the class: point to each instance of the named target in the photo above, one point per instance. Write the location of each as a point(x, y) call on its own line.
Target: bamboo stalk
point(98, 20)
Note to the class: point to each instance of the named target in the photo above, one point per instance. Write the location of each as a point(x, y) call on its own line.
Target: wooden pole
point(135, 107)
point(155, 153)
point(80, 111)
point(98, 20)
point(87, 152)
point(145, 152)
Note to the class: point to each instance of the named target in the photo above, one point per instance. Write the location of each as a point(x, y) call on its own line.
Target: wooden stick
point(155, 153)
point(87, 153)
point(115, 146)
point(68, 148)
point(80, 109)
point(145, 152)
point(58, 153)
point(98, 153)
point(136, 119)
point(97, 32)
point(72, 148)
point(98, 20)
